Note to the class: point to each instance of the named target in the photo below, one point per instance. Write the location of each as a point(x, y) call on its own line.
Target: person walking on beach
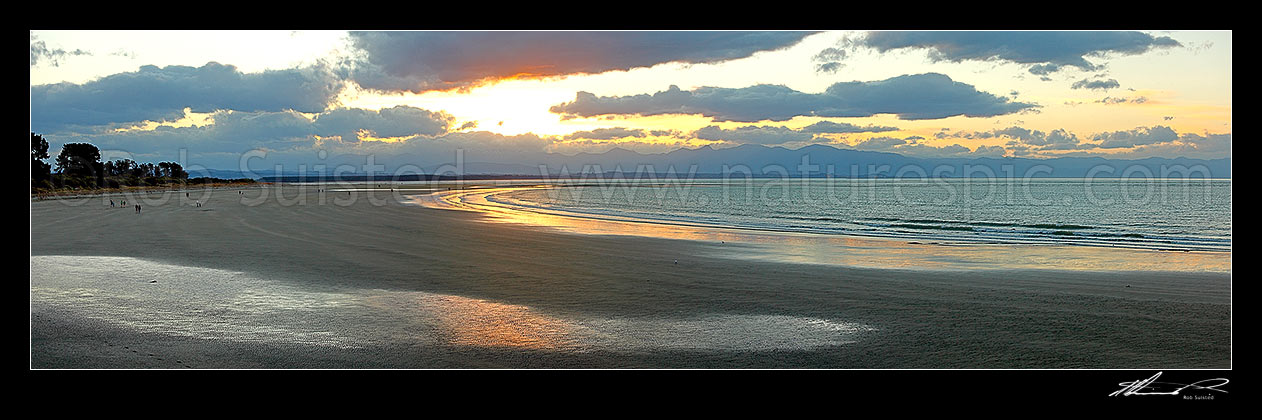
point(111, 203)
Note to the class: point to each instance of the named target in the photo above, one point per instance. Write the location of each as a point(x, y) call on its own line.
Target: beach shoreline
point(783, 245)
point(605, 285)
point(124, 191)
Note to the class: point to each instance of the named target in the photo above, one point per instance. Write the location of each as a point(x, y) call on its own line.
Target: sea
point(1172, 214)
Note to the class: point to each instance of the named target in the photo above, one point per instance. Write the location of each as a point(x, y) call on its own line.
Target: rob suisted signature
point(1150, 386)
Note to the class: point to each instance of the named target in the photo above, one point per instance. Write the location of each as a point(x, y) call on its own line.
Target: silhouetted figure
point(111, 203)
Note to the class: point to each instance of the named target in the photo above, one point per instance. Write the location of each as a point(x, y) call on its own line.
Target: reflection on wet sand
point(813, 248)
point(481, 323)
point(213, 304)
point(195, 302)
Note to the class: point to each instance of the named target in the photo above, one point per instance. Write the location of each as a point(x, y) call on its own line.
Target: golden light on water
point(480, 323)
point(844, 250)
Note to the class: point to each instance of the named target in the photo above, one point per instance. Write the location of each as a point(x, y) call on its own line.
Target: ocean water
point(1146, 214)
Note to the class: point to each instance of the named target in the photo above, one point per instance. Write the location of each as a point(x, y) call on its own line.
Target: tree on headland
point(127, 168)
point(171, 170)
point(40, 171)
point(80, 159)
point(120, 167)
point(79, 166)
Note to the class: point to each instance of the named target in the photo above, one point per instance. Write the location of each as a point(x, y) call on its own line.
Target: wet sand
point(321, 280)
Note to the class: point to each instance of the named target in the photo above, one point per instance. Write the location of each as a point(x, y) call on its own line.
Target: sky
point(213, 97)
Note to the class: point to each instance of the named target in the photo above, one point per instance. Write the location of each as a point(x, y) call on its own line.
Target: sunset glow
point(1179, 80)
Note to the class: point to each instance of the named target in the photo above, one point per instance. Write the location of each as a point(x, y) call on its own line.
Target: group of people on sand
point(124, 203)
point(137, 206)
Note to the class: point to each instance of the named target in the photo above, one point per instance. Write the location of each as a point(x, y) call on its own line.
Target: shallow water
point(770, 242)
point(1161, 215)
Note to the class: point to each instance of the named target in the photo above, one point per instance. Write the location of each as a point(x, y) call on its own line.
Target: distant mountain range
point(763, 161)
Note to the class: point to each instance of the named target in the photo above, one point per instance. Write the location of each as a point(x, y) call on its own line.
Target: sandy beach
point(338, 279)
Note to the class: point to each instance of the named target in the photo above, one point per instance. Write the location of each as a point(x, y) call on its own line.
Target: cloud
point(1190, 145)
point(831, 67)
point(754, 134)
point(1024, 138)
point(124, 53)
point(436, 60)
point(1137, 137)
point(161, 94)
point(1218, 144)
point(597, 146)
point(911, 97)
point(830, 54)
point(1143, 142)
point(832, 127)
point(288, 138)
point(482, 145)
point(399, 121)
point(912, 146)
point(1096, 84)
point(990, 151)
point(1044, 70)
point(238, 132)
point(925, 150)
point(1045, 51)
point(1109, 100)
point(829, 60)
point(770, 135)
point(52, 56)
point(882, 143)
point(606, 134)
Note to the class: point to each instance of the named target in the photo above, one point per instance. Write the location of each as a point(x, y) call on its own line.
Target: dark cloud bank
point(161, 94)
point(911, 97)
point(1045, 51)
point(422, 61)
